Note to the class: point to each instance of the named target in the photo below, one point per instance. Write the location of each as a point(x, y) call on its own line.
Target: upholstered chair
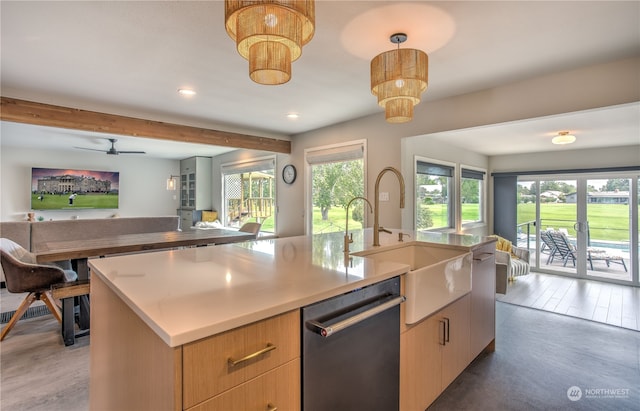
point(24, 275)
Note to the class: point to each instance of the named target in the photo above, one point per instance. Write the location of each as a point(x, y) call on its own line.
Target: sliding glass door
point(580, 225)
point(608, 228)
point(558, 224)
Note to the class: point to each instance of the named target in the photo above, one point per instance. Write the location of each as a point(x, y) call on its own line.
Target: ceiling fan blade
point(91, 149)
point(132, 152)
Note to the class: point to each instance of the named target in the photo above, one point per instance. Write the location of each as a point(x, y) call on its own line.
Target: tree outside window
point(334, 185)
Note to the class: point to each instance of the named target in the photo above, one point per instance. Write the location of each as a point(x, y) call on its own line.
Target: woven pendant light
point(270, 35)
point(398, 78)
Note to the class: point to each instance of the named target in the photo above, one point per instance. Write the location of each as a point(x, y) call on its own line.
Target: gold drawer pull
point(269, 347)
point(271, 407)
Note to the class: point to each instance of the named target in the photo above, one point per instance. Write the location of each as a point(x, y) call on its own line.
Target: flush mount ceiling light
point(398, 78)
point(186, 92)
point(563, 137)
point(270, 34)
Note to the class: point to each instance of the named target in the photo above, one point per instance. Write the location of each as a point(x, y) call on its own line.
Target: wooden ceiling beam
point(29, 112)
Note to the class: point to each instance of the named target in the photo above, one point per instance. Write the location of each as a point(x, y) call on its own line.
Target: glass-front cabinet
point(188, 190)
point(195, 188)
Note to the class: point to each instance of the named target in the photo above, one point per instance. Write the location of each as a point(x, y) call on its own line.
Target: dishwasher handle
point(328, 330)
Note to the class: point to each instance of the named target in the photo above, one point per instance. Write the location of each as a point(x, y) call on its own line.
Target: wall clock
point(289, 173)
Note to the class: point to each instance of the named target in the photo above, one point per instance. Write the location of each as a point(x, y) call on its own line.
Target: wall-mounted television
point(71, 189)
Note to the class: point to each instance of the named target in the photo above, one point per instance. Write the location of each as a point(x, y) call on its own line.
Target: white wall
point(568, 159)
point(589, 87)
point(142, 182)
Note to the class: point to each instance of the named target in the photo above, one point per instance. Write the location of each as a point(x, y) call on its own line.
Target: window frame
point(331, 153)
point(245, 166)
point(483, 197)
point(451, 192)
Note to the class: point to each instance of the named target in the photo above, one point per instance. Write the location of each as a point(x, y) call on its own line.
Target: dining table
point(79, 251)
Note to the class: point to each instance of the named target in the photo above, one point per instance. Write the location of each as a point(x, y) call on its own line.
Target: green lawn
point(335, 222)
point(57, 202)
point(606, 221)
point(439, 213)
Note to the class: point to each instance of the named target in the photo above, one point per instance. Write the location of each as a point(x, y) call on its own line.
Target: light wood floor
point(607, 303)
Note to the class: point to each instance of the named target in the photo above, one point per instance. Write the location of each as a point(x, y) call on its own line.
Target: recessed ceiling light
point(293, 115)
point(186, 92)
point(563, 137)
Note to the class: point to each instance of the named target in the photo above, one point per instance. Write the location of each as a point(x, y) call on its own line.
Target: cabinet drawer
point(207, 368)
point(278, 388)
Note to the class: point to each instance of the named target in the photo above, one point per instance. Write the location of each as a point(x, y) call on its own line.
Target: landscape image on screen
point(67, 189)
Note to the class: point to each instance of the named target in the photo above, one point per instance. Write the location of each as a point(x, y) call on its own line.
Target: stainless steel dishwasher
point(351, 350)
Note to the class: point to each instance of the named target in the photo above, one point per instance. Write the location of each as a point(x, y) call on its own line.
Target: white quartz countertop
point(185, 295)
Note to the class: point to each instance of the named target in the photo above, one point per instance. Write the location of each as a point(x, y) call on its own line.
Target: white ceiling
point(129, 58)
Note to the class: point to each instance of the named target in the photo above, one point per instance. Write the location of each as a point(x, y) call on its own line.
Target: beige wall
point(580, 89)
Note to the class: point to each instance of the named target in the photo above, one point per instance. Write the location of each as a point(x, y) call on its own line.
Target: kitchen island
point(161, 320)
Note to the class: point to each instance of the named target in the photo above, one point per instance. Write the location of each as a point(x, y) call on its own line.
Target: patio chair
point(563, 248)
point(607, 258)
point(548, 246)
point(567, 251)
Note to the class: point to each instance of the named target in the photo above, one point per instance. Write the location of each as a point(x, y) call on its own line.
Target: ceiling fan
point(112, 150)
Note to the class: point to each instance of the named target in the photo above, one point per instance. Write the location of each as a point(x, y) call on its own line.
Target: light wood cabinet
point(433, 353)
point(420, 365)
point(226, 360)
point(132, 368)
point(275, 389)
point(454, 325)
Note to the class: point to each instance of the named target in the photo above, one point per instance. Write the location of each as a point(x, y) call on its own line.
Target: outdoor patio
point(605, 260)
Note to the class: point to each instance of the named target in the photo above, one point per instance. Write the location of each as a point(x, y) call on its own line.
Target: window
point(336, 175)
point(472, 195)
point(249, 193)
point(434, 193)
